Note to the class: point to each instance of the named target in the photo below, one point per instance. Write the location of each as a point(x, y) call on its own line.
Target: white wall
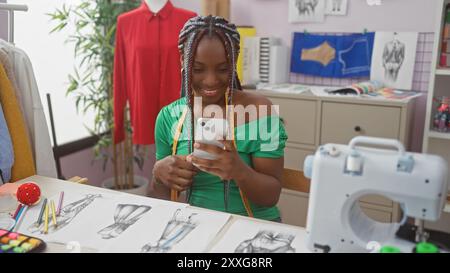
point(52, 61)
point(270, 17)
point(194, 5)
point(3, 22)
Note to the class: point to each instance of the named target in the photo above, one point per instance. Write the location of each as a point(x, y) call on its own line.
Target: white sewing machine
point(341, 175)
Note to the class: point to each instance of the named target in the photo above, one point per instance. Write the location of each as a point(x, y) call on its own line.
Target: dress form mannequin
point(156, 5)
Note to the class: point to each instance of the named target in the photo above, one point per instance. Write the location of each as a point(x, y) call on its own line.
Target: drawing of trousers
point(352, 59)
point(125, 216)
point(357, 57)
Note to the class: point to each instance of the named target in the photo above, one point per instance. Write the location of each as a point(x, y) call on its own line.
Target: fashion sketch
point(68, 213)
point(307, 10)
point(393, 57)
point(125, 216)
point(336, 7)
point(267, 242)
point(175, 231)
point(306, 7)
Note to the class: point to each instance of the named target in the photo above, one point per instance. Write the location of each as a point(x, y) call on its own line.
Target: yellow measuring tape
point(173, 192)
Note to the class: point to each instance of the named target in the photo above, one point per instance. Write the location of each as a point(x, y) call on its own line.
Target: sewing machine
point(341, 174)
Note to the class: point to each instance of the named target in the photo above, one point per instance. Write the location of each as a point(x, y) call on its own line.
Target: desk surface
point(51, 187)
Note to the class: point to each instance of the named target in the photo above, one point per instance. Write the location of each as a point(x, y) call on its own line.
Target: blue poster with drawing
point(336, 56)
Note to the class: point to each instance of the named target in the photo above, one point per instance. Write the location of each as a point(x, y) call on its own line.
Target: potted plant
point(91, 83)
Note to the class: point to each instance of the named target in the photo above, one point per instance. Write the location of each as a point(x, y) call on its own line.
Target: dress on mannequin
point(146, 67)
point(155, 5)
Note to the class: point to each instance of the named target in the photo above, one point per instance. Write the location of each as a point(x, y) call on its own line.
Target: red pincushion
point(28, 194)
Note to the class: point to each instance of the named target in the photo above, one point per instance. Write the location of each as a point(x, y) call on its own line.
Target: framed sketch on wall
point(393, 59)
point(336, 7)
point(306, 11)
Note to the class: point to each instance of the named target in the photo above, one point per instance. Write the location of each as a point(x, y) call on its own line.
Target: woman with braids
point(245, 177)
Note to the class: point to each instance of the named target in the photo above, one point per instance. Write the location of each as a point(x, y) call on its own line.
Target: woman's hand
point(175, 172)
point(228, 164)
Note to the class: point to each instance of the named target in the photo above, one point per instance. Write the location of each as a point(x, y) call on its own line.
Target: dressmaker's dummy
point(156, 5)
point(146, 66)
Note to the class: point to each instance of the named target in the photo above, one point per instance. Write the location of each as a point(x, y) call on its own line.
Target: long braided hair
point(190, 36)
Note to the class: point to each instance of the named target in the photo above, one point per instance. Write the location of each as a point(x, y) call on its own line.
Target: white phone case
point(210, 131)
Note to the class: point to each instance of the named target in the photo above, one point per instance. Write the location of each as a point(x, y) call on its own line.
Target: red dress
point(146, 67)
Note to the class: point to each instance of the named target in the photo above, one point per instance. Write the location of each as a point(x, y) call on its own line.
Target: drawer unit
point(311, 121)
point(300, 117)
point(378, 215)
point(294, 157)
point(341, 122)
point(293, 206)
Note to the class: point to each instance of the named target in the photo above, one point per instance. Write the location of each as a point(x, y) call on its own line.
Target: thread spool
point(354, 162)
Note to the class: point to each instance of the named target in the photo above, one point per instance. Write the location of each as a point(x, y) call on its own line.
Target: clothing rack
point(11, 8)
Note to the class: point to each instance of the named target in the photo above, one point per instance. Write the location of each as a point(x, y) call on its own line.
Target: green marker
point(426, 248)
point(390, 249)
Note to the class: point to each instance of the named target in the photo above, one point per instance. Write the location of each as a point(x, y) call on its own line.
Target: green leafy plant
point(91, 83)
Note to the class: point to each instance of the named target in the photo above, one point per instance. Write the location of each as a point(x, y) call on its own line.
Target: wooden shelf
point(435, 134)
point(443, 71)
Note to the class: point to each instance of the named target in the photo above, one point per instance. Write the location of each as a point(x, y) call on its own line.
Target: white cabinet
point(311, 121)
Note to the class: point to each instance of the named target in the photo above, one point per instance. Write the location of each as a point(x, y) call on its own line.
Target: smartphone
point(210, 131)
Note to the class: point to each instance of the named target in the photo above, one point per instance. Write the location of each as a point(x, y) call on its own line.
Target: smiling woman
point(244, 178)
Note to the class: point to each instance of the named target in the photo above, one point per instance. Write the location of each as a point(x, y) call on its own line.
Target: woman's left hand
point(228, 164)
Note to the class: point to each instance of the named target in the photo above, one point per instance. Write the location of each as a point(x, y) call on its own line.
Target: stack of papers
point(284, 88)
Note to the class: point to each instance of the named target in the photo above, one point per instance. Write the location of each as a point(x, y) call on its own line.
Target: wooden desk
point(51, 187)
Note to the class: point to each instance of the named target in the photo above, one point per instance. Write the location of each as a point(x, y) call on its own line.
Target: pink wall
point(270, 18)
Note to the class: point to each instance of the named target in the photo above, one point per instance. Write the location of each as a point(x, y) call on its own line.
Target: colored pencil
point(52, 205)
point(46, 219)
point(19, 213)
point(61, 196)
point(19, 207)
point(20, 217)
point(39, 221)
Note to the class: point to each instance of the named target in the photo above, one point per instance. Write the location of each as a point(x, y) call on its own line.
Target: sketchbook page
point(168, 229)
point(80, 209)
point(245, 236)
point(283, 88)
point(391, 94)
point(122, 216)
point(85, 213)
point(393, 59)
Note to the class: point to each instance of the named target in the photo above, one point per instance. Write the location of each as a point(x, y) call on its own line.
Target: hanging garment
point(33, 111)
point(334, 56)
point(9, 69)
point(24, 164)
point(146, 67)
point(6, 150)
